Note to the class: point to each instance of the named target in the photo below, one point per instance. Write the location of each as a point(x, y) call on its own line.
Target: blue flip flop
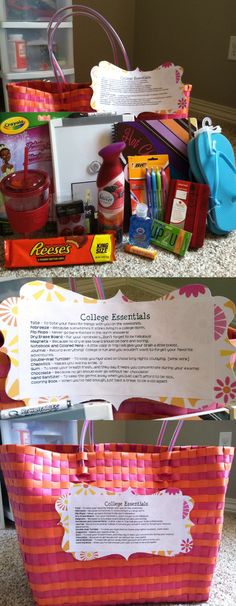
point(215, 157)
point(195, 170)
point(192, 158)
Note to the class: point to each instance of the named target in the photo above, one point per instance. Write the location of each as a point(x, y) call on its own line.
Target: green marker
point(159, 197)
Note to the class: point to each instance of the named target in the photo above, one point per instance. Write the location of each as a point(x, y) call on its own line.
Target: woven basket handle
point(86, 425)
point(80, 9)
point(174, 437)
point(89, 424)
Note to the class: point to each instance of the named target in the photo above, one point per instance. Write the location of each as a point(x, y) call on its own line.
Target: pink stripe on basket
point(140, 571)
point(60, 557)
point(157, 456)
point(126, 475)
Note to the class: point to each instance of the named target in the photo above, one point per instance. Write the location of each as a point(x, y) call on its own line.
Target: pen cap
point(141, 210)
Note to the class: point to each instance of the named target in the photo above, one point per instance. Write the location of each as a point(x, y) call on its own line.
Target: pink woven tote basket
point(37, 476)
point(41, 96)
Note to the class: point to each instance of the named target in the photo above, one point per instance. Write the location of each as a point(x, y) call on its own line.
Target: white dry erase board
point(75, 143)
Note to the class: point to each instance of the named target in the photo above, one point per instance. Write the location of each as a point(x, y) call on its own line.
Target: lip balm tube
point(141, 252)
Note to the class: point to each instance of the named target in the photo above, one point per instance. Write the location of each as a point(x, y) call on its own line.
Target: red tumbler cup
point(26, 198)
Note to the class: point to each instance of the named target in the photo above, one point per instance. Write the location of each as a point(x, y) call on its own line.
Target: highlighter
point(164, 188)
point(154, 194)
point(149, 193)
point(159, 198)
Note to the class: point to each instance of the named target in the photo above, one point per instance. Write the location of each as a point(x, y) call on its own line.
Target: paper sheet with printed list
point(159, 348)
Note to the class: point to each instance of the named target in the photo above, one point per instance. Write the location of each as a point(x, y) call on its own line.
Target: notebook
point(159, 137)
point(187, 207)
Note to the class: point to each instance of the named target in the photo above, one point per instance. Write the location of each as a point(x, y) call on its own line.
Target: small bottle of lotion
point(140, 227)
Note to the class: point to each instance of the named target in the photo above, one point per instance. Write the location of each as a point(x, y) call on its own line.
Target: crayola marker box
point(17, 131)
point(170, 238)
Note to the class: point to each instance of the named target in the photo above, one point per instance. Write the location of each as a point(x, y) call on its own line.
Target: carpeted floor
point(14, 590)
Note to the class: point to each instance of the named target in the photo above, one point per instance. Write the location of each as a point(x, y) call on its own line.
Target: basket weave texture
point(43, 96)
point(35, 478)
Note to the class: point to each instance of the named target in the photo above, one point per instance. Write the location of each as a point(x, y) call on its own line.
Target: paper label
point(178, 213)
point(115, 89)
point(130, 348)
point(100, 523)
point(180, 194)
point(220, 351)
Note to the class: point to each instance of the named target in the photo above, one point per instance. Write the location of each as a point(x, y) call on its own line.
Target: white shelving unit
point(34, 34)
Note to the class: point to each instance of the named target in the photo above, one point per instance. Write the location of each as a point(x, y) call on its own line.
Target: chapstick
point(141, 252)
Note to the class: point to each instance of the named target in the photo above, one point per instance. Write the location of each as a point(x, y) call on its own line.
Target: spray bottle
point(110, 184)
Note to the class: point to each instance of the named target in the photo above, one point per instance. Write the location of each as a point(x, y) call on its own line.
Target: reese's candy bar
point(71, 250)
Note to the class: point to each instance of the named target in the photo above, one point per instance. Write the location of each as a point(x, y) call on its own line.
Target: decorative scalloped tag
point(100, 523)
point(121, 91)
point(46, 295)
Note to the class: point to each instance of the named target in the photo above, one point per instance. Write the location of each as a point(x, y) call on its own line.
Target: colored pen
point(159, 198)
point(149, 192)
point(154, 195)
point(164, 189)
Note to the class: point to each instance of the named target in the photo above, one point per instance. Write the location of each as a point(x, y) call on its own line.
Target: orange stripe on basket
point(118, 582)
point(37, 533)
point(42, 515)
point(207, 513)
point(214, 528)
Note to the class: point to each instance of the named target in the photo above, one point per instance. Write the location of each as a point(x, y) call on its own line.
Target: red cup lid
point(16, 182)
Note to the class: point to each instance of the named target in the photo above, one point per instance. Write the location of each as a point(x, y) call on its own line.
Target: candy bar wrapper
point(73, 250)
